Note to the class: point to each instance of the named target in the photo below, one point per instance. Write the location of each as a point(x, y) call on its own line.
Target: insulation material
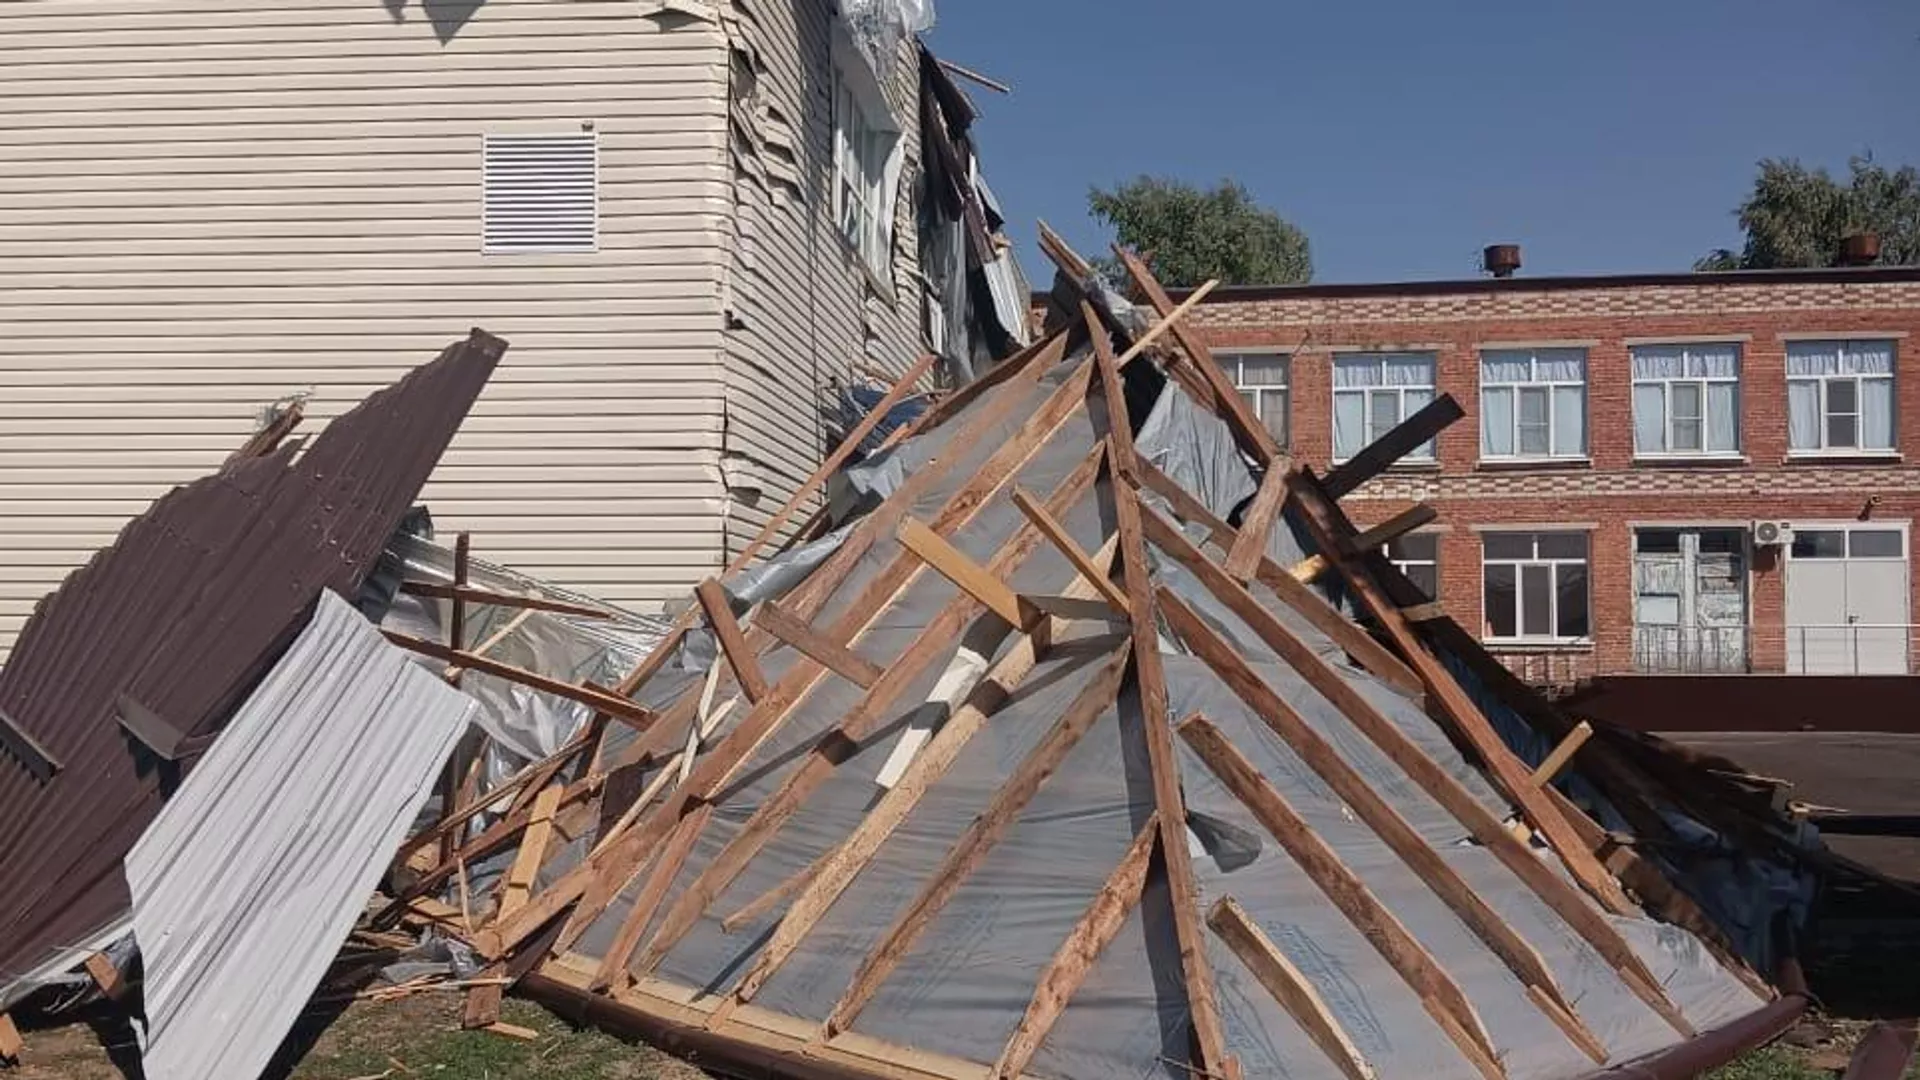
point(252, 876)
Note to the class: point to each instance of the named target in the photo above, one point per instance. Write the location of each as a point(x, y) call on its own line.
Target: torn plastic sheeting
point(879, 26)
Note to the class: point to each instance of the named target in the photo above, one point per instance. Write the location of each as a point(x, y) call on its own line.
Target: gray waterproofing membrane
point(965, 985)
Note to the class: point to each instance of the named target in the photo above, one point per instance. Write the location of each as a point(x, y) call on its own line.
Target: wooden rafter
point(1406, 437)
point(802, 635)
point(1075, 958)
point(1420, 767)
point(1402, 838)
point(1093, 701)
point(934, 640)
point(1063, 542)
point(733, 644)
point(1329, 527)
point(467, 594)
point(1393, 528)
point(1438, 993)
point(1289, 987)
point(968, 576)
point(1209, 1030)
point(617, 707)
point(1243, 559)
point(613, 966)
point(852, 855)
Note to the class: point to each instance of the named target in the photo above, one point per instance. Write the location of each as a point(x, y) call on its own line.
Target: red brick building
point(1602, 503)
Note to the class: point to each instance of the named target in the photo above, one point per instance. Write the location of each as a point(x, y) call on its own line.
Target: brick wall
point(1611, 492)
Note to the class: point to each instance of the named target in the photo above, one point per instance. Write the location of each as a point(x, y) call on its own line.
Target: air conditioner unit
point(1772, 533)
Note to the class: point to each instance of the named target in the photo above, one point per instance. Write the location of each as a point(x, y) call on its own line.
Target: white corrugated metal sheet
point(248, 882)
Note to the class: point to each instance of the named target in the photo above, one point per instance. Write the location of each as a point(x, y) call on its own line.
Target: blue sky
point(1605, 136)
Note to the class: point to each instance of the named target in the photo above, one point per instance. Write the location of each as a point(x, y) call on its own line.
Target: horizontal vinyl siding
point(206, 205)
point(804, 313)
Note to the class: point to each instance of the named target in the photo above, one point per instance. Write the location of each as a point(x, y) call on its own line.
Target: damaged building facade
point(1658, 474)
point(701, 223)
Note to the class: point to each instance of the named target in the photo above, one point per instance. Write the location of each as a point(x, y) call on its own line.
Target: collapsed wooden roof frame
point(530, 932)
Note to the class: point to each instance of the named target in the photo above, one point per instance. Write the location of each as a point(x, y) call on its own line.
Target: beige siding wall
point(207, 204)
point(803, 312)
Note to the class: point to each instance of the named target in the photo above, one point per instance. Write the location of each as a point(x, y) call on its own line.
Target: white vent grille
point(541, 193)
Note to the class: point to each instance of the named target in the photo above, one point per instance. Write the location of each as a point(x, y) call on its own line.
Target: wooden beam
point(1562, 754)
point(1093, 702)
point(613, 966)
point(851, 856)
point(467, 594)
point(1426, 612)
point(774, 897)
point(619, 708)
point(1167, 322)
point(1309, 569)
point(462, 568)
point(1345, 781)
point(1288, 986)
point(1209, 1030)
point(991, 84)
point(105, 976)
point(900, 391)
point(1393, 528)
point(11, 1044)
point(518, 884)
point(837, 658)
point(733, 644)
point(1243, 559)
point(533, 775)
point(1310, 605)
point(969, 576)
point(1420, 767)
point(934, 641)
point(1329, 526)
point(1064, 543)
point(1438, 993)
point(604, 874)
point(1406, 437)
point(1075, 958)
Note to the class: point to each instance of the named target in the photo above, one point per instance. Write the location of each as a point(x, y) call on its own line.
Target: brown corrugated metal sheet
point(178, 619)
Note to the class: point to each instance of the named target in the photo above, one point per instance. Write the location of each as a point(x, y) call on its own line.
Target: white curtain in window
point(1262, 370)
point(1496, 421)
point(1649, 418)
point(1412, 401)
point(1876, 414)
point(1356, 371)
point(1562, 365)
point(1506, 367)
point(1803, 413)
point(1409, 369)
point(1349, 424)
point(1658, 362)
point(1569, 420)
point(1813, 358)
point(1715, 361)
point(1868, 357)
point(1723, 416)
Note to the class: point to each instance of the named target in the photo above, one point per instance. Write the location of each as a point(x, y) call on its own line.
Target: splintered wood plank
point(617, 707)
point(934, 641)
point(593, 884)
point(1243, 559)
point(1168, 321)
point(803, 636)
point(1420, 767)
point(613, 966)
point(11, 1045)
point(969, 576)
point(1393, 528)
point(105, 976)
point(1438, 993)
point(901, 389)
point(482, 1008)
point(1076, 956)
point(972, 847)
point(1378, 456)
point(518, 885)
point(733, 644)
point(1310, 605)
point(1427, 612)
point(1209, 1030)
point(1288, 986)
point(1329, 526)
point(1345, 781)
point(1063, 542)
point(1562, 754)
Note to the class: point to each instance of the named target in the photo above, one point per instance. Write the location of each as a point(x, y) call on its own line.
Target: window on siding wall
point(862, 149)
point(1686, 399)
point(1536, 586)
point(1533, 403)
point(540, 194)
point(1839, 395)
point(1372, 393)
point(1261, 379)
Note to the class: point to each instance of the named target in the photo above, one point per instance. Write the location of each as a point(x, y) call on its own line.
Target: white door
point(1847, 594)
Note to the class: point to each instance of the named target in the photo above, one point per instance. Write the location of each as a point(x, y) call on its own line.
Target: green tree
point(1796, 217)
point(1195, 235)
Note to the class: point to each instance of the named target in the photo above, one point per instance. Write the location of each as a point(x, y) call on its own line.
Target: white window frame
point(1404, 564)
point(1667, 384)
point(1259, 395)
point(1520, 636)
point(1825, 382)
point(864, 149)
point(1422, 453)
point(1546, 386)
